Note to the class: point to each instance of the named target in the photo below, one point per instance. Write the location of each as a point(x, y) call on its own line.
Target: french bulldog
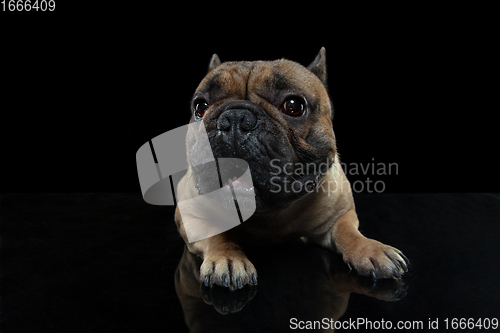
point(277, 117)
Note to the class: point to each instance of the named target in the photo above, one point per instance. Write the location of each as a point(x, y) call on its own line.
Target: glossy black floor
point(107, 263)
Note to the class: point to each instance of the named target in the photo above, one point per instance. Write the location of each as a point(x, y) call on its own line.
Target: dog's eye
point(294, 106)
point(200, 106)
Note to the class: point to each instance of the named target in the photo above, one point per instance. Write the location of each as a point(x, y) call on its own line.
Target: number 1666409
point(28, 5)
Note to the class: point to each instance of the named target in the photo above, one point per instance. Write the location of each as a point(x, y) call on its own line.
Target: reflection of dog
point(272, 113)
point(317, 273)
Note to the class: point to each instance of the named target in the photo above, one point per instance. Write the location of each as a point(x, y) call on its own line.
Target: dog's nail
point(225, 309)
point(403, 265)
point(254, 279)
point(207, 281)
point(350, 268)
point(372, 275)
point(238, 283)
point(225, 280)
point(405, 258)
point(396, 273)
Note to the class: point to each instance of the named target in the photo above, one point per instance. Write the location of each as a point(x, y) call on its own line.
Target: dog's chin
point(278, 194)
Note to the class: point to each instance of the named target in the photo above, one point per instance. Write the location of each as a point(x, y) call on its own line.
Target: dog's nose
point(237, 119)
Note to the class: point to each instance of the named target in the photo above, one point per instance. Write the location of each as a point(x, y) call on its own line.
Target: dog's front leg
point(366, 256)
point(224, 262)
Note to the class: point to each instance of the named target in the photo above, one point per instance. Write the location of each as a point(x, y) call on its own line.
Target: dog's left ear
point(318, 66)
point(214, 62)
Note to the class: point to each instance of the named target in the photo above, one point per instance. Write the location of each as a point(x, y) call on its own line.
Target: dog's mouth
point(240, 186)
point(235, 179)
point(227, 174)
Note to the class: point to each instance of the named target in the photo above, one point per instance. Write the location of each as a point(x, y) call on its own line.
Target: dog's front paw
point(232, 270)
point(376, 260)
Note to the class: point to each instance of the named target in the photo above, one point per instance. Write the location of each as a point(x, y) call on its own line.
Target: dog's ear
point(214, 62)
point(318, 66)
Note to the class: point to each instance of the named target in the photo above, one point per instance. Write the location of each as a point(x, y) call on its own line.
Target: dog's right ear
point(214, 62)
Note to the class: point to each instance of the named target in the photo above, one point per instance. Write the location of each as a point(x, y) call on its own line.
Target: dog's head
point(275, 115)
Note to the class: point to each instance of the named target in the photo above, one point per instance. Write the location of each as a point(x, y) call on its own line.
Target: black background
point(84, 87)
point(105, 262)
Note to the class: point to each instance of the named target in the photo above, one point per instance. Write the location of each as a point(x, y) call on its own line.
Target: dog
point(277, 117)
